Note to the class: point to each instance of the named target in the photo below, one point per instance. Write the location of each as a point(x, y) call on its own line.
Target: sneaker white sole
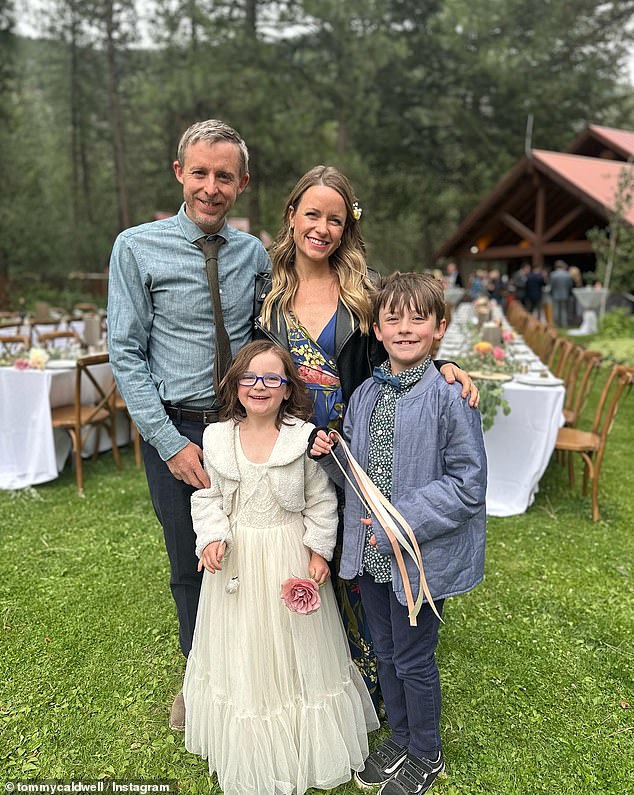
point(363, 785)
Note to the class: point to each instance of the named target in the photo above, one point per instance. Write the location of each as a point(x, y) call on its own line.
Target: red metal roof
point(604, 142)
point(590, 178)
point(622, 140)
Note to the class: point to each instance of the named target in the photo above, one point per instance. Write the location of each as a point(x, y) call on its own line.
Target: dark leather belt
point(205, 416)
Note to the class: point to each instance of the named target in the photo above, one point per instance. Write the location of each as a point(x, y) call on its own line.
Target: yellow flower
point(38, 358)
point(483, 347)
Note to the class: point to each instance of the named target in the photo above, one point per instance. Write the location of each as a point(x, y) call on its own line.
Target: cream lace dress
point(274, 702)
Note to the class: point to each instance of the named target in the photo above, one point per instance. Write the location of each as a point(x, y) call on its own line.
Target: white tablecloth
point(520, 444)
point(30, 451)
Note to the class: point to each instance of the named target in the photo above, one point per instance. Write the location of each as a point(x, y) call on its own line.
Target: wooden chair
point(544, 342)
point(58, 339)
point(578, 379)
point(39, 327)
point(120, 405)
point(520, 317)
point(559, 354)
point(14, 343)
point(591, 444)
point(533, 331)
point(82, 418)
point(13, 326)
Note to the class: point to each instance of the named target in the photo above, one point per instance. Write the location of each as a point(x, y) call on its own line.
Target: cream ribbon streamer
point(376, 503)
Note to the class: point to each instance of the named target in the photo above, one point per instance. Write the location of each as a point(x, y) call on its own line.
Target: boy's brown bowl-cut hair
point(421, 292)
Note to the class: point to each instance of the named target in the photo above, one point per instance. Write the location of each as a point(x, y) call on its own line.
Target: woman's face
point(317, 223)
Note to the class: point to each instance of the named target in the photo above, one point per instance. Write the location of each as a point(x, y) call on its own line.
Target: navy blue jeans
point(406, 663)
point(171, 499)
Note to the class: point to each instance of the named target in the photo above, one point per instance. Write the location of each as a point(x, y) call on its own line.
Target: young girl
point(272, 698)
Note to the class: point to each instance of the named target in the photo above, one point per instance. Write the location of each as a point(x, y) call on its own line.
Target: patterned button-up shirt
point(381, 455)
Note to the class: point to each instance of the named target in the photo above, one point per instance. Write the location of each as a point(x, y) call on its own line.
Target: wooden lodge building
point(541, 210)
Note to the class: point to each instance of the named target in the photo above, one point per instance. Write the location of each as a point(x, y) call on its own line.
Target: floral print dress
point(317, 367)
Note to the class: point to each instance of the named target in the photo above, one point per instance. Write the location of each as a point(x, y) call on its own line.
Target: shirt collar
point(193, 232)
point(408, 378)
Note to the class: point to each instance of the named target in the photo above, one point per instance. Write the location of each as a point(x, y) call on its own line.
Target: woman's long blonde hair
point(348, 261)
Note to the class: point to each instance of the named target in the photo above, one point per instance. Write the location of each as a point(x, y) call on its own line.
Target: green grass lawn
point(536, 664)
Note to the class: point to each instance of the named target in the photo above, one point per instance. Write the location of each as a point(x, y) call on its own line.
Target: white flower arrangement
point(38, 358)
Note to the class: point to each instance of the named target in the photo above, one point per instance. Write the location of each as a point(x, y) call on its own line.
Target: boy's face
point(408, 336)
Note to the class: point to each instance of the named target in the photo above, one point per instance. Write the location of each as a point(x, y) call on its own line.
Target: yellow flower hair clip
point(357, 211)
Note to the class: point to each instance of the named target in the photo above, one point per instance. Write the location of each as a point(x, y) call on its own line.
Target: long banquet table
point(31, 451)
point(520, 444)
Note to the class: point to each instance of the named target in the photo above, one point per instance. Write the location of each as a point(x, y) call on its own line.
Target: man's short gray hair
point(213, 130)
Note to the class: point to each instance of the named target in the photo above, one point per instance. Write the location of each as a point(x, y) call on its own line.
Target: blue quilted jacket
point(438, 485)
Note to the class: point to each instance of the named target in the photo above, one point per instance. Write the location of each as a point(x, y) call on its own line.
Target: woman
point(318, 306)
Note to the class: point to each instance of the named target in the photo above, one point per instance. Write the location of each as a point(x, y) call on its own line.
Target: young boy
point(423, 449)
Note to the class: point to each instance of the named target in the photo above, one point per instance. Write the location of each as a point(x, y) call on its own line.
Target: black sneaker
point(414, 777)
point(381, 765)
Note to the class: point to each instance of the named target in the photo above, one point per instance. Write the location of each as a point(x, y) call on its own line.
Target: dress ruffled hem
point(284, 752)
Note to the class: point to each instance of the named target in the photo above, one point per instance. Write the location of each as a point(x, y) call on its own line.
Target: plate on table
point(524, 357)
point(538, 379)
point(501, 378)
point(537, 366)
point(61, 364)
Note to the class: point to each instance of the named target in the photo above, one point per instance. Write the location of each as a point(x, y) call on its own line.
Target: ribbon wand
point(390, 519)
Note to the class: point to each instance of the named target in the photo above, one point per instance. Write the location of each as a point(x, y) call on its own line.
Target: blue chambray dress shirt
point(161, 335)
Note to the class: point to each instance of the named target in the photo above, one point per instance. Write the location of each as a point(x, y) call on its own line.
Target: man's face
point(211, 182)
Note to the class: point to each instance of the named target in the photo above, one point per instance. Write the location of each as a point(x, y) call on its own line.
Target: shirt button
point(379, 470)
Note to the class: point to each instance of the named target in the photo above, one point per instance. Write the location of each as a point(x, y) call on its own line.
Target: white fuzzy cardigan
point(297, 483)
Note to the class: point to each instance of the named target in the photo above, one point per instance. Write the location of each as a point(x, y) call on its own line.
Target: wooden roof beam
point(517, 226)
point(563, 222)
point(558, 248)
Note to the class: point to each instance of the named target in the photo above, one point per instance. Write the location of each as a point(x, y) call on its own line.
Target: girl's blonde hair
point(348, 261)
point(298, 403)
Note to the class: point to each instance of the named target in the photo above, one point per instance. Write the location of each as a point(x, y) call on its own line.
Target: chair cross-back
point(584, 365)
point(58, 339)
point(591, 444)
point(14, 343)
point(89, 413)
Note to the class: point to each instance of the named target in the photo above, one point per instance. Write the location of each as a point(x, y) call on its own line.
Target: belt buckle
point(209, 416)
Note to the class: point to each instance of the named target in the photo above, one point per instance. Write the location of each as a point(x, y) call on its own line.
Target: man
point(534, 290)
point(518, 282)
point(161, 333)
point(162, 338)
point(453, 278)
point(560, 291)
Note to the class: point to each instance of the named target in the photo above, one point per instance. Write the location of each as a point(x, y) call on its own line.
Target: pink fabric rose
point(301, 596)
point(22, 364)
point(498, 353)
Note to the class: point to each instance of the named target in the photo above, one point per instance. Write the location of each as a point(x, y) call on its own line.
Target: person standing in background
point(561, 285)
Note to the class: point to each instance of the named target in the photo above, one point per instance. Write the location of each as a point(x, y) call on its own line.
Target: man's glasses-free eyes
point(270, 380)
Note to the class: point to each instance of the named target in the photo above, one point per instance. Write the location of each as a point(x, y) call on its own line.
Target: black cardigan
point(356, 354)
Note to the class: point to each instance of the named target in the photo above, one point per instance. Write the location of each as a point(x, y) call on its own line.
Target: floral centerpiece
point(490, 368)
point(35, 359)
